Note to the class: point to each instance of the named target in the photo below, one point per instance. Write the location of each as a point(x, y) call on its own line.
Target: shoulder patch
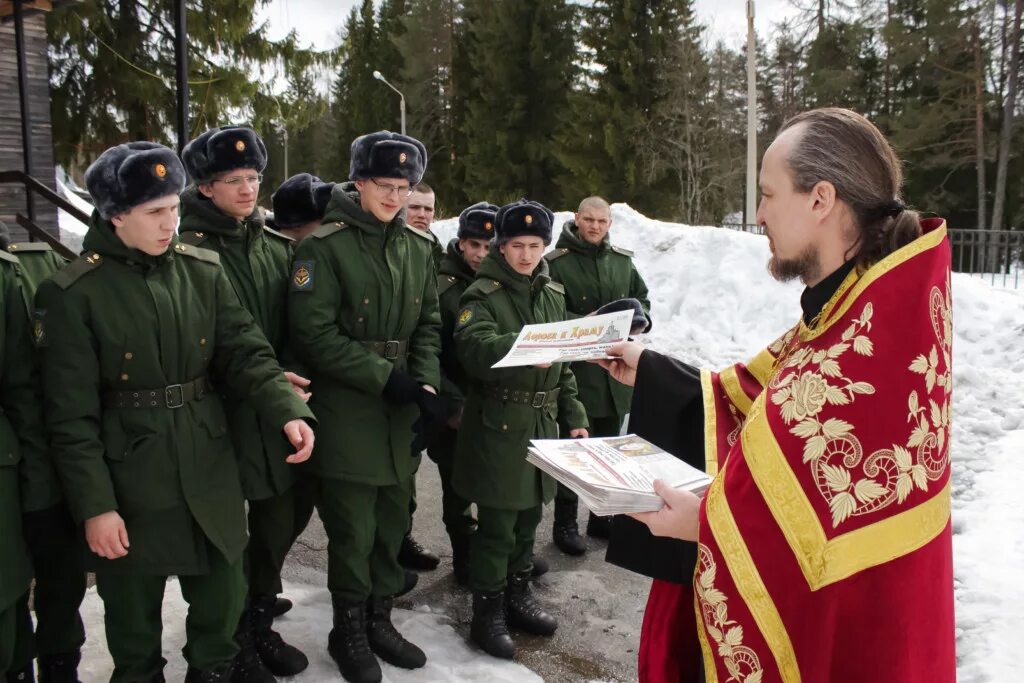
point(279, 235)
point(195, 238)
point(328, 229)
point(29, 246)
point(10, 258)
point(70, 274)
point(623, 251)
point(490, 286)
point(556, 254)
point(428, 236)
point(302, 276)
point(465, 317)
point(197, 253)
point(557, 286)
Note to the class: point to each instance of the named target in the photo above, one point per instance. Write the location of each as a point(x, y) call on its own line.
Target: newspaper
point(587, 338)
point(615, 475)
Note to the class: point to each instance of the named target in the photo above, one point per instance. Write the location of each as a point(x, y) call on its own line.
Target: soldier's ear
point(206, 189)
point(118, 220)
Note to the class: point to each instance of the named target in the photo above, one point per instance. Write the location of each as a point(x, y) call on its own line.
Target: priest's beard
point(805, 266)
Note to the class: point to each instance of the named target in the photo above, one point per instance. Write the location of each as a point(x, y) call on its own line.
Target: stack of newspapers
point(615, 475)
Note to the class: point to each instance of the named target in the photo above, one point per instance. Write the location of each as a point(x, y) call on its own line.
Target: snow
point(713, 303)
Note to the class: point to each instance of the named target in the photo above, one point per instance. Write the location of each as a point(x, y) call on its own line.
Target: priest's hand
point(623, 367)
point(678, 517)
point(107, 535)
point(301, 436)
point(580, 433)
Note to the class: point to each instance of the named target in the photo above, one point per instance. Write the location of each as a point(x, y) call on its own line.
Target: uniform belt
point(534, 399)
point(391, 349)
point(171, 396)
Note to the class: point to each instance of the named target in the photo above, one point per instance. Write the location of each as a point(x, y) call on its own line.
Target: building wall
point(12, 196)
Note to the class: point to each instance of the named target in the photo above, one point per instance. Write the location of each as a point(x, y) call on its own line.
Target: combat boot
point(566, 532)
point(489, 629)
point(280, 658)
point(348, 644)
point(62, 668)
point(412, 555)
point(385, 640)
point(221, 673)
point(524, 612)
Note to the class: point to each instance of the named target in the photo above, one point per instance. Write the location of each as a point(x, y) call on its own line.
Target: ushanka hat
point(524, 218)
point(476, 222)
point(387, 155)
point(133, 173)
point(300, 200)
point(224, 149)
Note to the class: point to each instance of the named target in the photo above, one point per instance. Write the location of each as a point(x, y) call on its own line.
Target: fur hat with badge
point(524, 218)
point(224, 149)
point(476, 222)
point(134, 173)
point(387, 155)
point(300, 200)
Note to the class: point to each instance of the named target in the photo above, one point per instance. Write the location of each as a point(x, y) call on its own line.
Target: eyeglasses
point(236, 181)
point(387, 190)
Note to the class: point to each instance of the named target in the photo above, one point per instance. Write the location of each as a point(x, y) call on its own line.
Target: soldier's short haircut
point(423, 188)
point(595, 202)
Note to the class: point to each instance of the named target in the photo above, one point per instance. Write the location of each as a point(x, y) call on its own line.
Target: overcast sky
point(318, 21)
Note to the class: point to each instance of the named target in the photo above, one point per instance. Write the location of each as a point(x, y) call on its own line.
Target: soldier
point(21, 438)
point(364, 320)
point(459, 265)
point(50, 531)
point(504, 409)
point(130, 333)
point(219, 212)
point(299, 205)
point(594, 272)
point(419, 214)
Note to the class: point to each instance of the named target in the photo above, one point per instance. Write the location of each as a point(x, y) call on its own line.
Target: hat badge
point(488, 226)
point(160, 170)
point(240, 145)
point(528, 219)
point(402, 157)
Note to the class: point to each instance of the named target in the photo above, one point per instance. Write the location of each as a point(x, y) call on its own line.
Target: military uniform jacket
point(40, 488)
point(257, 261)
point(118, 319)
point(21, 435)
point(453, 279)
point(490, 454)
point(594, 275)
point(355, 279)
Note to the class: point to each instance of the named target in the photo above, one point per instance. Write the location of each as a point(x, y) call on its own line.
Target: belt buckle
point(172, 400)
point(391, 348)
point(539, 399)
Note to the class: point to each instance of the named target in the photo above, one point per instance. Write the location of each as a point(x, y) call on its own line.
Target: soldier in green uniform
point(131, 334)
point(459, 266)
point(504, 409)
point(50, 531)
point(364, 320)
point(594, 272)
point(299, 204)
point(21, 439)
point(219, 213)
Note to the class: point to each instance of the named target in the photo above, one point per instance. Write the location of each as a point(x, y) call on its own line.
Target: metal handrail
point(34, 185)
point(44, 236)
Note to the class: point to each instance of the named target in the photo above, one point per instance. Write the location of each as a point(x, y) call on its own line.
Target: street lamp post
point(401, 102)
point(751, 206)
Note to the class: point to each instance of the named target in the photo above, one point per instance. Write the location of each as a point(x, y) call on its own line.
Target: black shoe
point(348, 644)
point(411, 579)
point(62, 668)
point(524, 612)
point(248, 667)
point(26, 675)
point(489, 629)
point(460, 559)
point(221, 673)
point(598, 526)
point(385, 640)
point(414, 556)
point(280, 658)
point(281, 607)
point(566, 533)
point(540, 567)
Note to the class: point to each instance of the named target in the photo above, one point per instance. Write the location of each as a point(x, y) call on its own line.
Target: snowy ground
point(713, 304)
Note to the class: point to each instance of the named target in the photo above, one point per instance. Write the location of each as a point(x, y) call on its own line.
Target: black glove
point(434, 412)
point(401, 388)
point(641, 323)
